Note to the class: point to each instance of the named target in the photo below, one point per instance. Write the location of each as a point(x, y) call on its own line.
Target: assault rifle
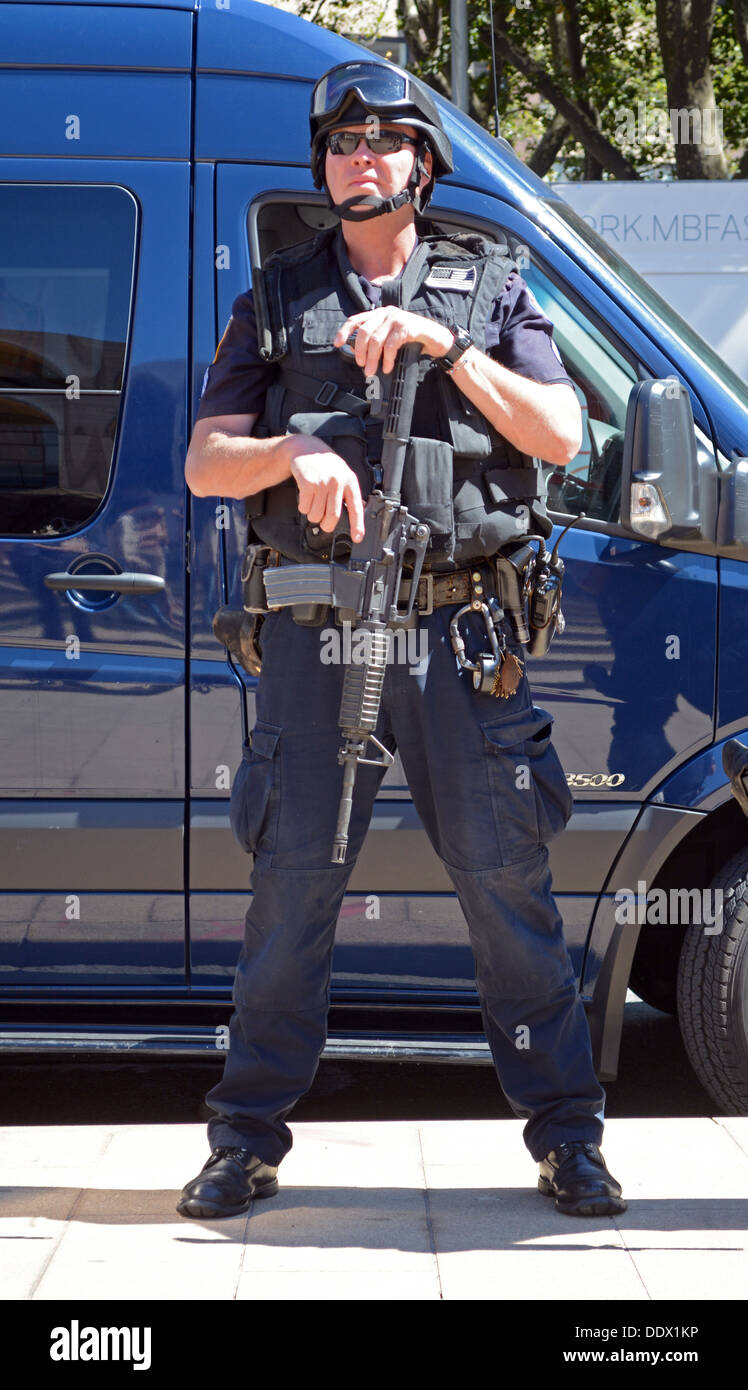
point(367, 586)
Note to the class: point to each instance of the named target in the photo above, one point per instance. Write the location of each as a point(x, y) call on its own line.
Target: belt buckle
point(326, 394)
point(429, 578)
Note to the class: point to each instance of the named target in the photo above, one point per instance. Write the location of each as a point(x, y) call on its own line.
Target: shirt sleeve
point(237, 379)
point(520, 337)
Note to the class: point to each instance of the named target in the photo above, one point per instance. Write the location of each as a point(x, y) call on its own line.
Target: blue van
point(151, 153)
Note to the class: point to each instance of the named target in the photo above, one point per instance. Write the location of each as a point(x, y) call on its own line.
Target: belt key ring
point(486, 667)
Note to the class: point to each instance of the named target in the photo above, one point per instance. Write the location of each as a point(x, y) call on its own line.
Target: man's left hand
point(380, 333)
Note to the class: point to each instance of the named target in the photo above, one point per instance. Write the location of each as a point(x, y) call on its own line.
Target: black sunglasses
point(347, 142)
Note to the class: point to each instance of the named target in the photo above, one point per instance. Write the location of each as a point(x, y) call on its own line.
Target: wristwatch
point(462, 341)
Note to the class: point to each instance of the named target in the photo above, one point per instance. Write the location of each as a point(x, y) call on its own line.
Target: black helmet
point(354, 92)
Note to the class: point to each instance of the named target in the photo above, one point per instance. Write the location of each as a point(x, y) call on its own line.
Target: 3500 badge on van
point(595, 779)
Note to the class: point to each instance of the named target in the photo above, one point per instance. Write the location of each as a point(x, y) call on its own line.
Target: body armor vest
point(472, 487)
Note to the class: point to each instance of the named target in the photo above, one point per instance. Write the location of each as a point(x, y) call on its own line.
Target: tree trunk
point(571, 57)
point(685, 30)
point(421, 24)
point(553, 139)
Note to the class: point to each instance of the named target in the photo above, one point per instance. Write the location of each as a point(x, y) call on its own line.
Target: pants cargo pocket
point(255, 794)
point(531, 800)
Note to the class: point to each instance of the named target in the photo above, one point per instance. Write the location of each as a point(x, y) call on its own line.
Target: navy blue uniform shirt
point(518, 335)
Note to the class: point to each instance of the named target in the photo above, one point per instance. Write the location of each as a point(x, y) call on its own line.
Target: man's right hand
point(325, 483)
point(226, 460)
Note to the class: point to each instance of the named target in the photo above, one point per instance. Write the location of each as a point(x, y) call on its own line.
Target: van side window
point(591, 482)
point(66, 276)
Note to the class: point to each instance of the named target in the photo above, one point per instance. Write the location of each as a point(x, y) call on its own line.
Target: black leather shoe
point(226, 1185)
point(575, 1174)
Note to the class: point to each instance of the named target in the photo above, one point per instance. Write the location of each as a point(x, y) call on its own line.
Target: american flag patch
point(451, 277)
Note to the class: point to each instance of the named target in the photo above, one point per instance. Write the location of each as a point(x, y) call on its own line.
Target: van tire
point(713, 994)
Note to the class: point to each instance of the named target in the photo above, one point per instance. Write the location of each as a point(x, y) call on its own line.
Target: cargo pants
point(489, 788)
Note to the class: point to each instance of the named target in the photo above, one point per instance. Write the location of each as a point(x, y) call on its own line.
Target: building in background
point(689, 238)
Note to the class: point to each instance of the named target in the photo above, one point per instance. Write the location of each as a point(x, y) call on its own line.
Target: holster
point(239, 631)
point(238, 628)
point(256, 557)
point(514, 564)
point(529, 591)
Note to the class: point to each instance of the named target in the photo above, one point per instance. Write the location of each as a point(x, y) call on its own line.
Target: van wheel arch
point(654, 971)
point(695, 862)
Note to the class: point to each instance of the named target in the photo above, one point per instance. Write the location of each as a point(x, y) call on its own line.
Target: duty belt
point(437, 590)
point(460, 586)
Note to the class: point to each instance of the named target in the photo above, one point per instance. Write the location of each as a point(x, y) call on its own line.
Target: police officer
point(296, 436)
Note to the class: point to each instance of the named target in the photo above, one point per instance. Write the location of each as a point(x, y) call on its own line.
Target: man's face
point(380, 175)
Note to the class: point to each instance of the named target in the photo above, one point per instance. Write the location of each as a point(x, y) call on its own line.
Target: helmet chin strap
point(377, 206)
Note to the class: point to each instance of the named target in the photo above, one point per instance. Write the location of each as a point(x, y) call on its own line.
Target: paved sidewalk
point(391, 1210)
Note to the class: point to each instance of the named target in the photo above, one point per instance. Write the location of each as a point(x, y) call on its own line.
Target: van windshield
point(727, 378)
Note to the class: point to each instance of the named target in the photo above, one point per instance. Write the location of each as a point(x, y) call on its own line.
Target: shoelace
point(577, 1146)
point(240, 1154)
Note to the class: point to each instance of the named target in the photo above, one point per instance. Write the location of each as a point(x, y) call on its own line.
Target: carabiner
point(485, 668)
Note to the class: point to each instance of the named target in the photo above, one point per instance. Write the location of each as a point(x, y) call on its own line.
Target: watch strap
point(462, 341)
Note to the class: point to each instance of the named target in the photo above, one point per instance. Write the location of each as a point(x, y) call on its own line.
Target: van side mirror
point(660, 478)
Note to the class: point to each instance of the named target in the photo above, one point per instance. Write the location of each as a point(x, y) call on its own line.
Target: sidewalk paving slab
point(391, 1210)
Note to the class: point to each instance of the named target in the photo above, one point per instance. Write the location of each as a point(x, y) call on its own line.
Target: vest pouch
point(319, 326)
point(513, 485)
point(346, 435)
point(481, 527)
point(519, 493)
point(255, 792)
point(427, 491)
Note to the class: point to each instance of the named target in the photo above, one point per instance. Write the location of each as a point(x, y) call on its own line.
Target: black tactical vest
point(472, 487)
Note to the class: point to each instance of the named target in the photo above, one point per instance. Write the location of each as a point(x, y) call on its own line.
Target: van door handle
point(110, 583)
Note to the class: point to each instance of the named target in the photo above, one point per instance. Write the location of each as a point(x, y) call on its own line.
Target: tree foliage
point(586, 89)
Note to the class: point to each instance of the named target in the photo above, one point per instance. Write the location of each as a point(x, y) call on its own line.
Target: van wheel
point(713, 994)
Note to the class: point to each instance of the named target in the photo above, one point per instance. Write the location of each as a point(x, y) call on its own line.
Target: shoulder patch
point(223, 335)
point(451, 277)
